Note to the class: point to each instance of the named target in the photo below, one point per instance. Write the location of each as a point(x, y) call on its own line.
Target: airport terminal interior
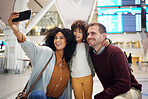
point(126, 22)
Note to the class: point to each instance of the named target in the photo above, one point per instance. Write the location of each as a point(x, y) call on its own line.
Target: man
point(111, 67)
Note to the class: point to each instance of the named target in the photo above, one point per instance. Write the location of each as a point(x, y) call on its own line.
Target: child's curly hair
point(81, 25)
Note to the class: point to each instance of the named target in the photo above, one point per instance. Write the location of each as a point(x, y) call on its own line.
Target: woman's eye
point(61, 37)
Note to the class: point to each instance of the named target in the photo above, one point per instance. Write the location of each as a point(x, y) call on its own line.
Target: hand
point(14, 25)
point(105, 42)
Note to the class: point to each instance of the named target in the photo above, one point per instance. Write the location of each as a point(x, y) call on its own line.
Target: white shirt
point(80, 67)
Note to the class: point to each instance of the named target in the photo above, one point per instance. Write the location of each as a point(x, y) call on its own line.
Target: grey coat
point(39, 55)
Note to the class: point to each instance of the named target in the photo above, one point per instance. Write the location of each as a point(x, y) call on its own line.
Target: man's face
point(95, 38)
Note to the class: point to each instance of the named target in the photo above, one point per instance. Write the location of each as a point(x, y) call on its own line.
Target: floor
point(11, 84)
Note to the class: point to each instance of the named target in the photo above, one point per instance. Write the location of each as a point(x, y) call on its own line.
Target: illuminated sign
point(113, 3)
point(119, 20)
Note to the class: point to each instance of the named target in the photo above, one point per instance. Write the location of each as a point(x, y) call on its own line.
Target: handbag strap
point(36, 78)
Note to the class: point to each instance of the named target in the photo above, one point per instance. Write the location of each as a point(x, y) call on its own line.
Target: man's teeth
point(90, 40)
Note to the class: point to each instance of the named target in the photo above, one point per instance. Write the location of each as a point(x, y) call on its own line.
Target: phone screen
point(25, 15)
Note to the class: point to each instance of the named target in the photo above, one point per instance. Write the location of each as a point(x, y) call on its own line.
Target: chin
point(59, 49)
point(89, 45)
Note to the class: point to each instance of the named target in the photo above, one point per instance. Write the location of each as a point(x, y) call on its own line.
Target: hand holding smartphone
point(25, 15)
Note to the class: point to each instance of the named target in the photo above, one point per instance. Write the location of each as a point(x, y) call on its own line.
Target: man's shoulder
point(113, 48)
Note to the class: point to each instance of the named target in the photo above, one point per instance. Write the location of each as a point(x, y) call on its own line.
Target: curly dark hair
point(81, 25)
point(70, 41)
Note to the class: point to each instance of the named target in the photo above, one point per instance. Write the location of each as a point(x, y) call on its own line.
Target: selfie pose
point(54, 83)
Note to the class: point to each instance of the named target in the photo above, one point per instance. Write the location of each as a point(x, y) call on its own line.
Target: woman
point(54, 82)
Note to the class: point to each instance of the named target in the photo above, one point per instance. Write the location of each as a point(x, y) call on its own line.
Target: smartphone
point(25, 15)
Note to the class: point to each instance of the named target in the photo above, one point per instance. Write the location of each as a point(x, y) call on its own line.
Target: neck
point(98, 48)
point(79, 42)
point(61, 52)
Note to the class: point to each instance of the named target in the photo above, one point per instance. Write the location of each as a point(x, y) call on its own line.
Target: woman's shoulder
point(45, 48)
point(45, 51)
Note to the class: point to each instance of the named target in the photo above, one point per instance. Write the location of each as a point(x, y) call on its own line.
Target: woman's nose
point(58, 39)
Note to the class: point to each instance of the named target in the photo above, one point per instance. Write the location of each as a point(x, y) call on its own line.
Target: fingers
point(13, 15)
point(105, 42)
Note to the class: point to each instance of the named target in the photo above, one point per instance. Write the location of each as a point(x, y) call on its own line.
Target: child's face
point(78, 34)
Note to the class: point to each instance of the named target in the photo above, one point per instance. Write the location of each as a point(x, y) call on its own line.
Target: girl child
point(81, 66)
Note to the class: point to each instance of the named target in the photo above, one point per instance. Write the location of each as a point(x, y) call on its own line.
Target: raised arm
point(15, 25)
point(27, 45)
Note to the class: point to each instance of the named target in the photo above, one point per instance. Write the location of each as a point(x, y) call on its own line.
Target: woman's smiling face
point(60, 41)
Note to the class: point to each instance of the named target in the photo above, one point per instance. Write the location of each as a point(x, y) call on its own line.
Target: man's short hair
point(102, 28)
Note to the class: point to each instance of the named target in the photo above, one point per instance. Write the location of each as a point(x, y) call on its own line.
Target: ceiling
point(6, 7)
point(36, 5)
